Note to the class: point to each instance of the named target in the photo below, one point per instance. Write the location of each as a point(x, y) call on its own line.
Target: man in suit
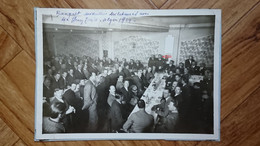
point(119, 83)
point(63, 81)
point(194, 69)
point(139, 121)
point(55, 82)
point(152, 61)
point(78, 73)
point(90, 103)
point(117, 120)
point(171, 66)
point(47, 90)
point(70, 97)
point(160, 63)
point(189, 61)
point(126, 71)
point(138, 81)
point(70, 76)
point(111, 96)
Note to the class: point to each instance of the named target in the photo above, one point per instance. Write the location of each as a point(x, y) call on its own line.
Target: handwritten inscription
point(112, 17)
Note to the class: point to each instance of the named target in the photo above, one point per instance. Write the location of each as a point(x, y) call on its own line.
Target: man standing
point(189, 61)
point(139, 121)
point(116, 114)
point(90, 103)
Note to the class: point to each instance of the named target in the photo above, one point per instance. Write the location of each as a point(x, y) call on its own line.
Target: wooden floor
point(240, 82)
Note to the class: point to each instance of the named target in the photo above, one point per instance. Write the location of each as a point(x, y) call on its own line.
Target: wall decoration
point(136, 47)
point(80, 45)
point(202, 50)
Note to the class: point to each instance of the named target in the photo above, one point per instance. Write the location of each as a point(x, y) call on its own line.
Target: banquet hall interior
point(151, 76)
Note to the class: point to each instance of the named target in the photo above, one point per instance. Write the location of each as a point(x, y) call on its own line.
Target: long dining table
point(153, 94)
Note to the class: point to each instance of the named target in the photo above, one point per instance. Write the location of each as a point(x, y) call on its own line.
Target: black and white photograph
point(127, 74)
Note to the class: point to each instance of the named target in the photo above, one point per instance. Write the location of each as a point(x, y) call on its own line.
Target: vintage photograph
point(127, 74)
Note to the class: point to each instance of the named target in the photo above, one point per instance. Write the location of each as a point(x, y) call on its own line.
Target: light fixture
point(56, 29)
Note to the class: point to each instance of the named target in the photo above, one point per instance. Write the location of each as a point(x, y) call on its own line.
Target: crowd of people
point(84, 94)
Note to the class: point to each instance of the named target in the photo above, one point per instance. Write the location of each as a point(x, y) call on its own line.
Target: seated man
point(53, 124)
point(139, 121)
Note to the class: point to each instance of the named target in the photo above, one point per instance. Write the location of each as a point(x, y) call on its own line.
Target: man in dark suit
point(70, 97)
point(47, 90)
point(55, 82)
point(132, 64)
point(70, 76)
point(126, 71)
point(152, 61)
point(69, 63)
point(90, 103)
point(138, 81)
point(116, 117)
point(78, 73)
point(63, 81)
point(171, 66)
point(194, 69)
point(189, 61)
point(160, 63)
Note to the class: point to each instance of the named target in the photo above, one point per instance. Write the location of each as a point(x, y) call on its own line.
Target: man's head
point(174, 84)
point(181, 64)
point(50, 71)
point(119, 97)
point(193, 63)
point(141, 104)
point(47, 82)
point(93, 76)
point(73, 87)
point(177, 77)
point(126, 83)
point(71, 71)
point(149, 69)
point(79, 67)
point(196, 85)
point(75, 64)
point(178, 71)
point(120, 78)
point(139, 73)
point(58, 93)
point(171, 73)
point(112, 90)
point(57, 76)
point(171, 106)
point(191, 57)
point(58, 110)
point(166, 93)
point(134, 89)
point(120, 68)
point(64, 74)
point(184, 81)
point(178, 90)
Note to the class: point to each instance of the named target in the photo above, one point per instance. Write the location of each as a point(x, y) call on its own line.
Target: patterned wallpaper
point(135, 47)
point(78, 45)
point(202, 50)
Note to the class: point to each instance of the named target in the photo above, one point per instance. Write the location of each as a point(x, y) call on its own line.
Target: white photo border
point(39, 12)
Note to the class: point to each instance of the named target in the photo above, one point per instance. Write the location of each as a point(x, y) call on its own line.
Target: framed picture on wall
point(114, 74)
